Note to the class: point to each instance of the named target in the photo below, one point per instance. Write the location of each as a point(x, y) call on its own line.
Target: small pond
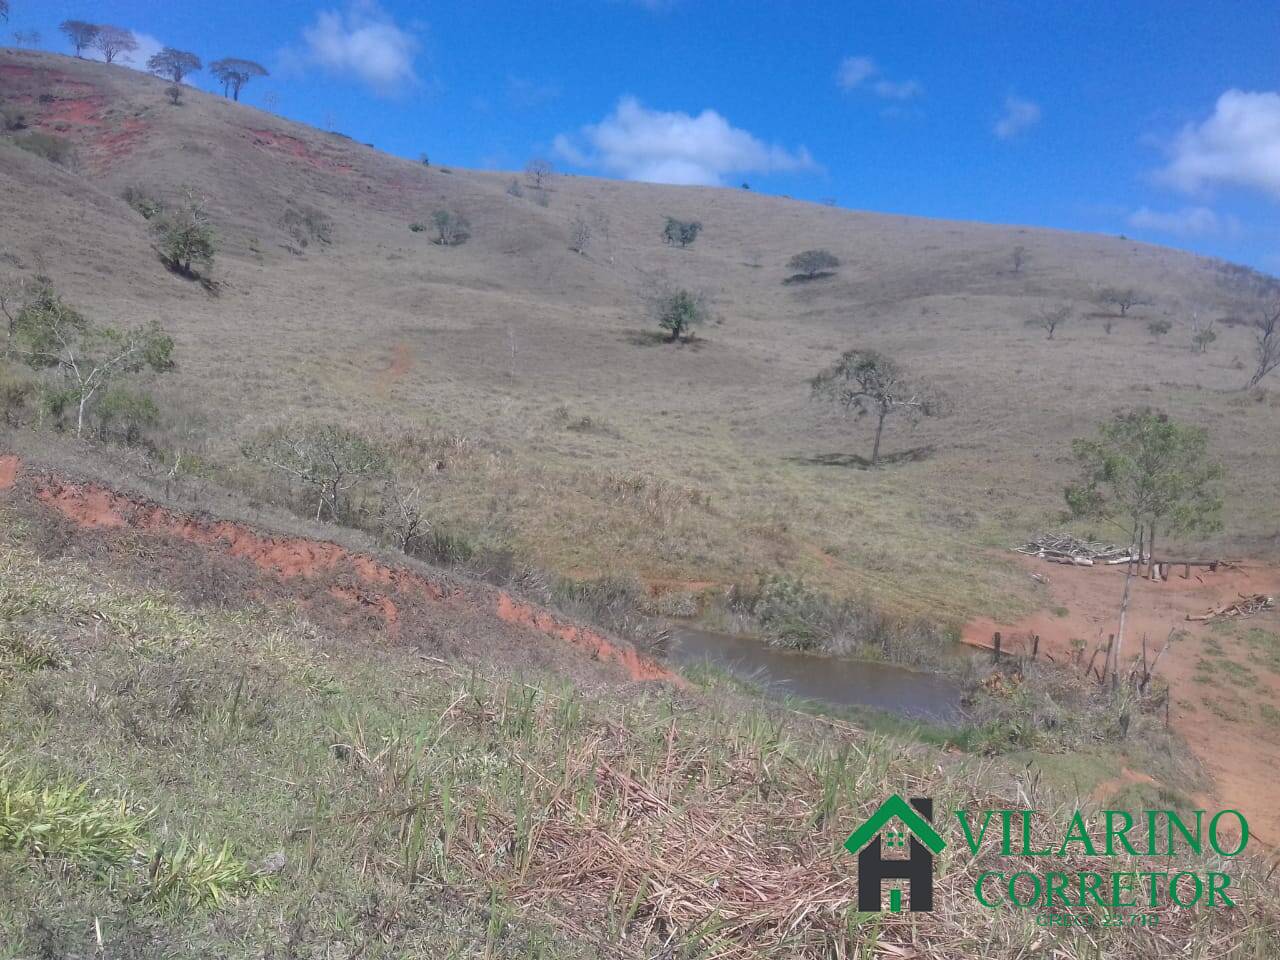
point(831, 680)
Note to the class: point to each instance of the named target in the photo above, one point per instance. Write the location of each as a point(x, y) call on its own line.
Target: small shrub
point(812, 264)
point(195, 875)
point(514, 188)
point(452, 229)
point(1158, 328)
point(680, 233)
point(185, 236)
point(142, 201)
point(12, 118)
point(305, 223)
point(417, 226)
point(54, 149)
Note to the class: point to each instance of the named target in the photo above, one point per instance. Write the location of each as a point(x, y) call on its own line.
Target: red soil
point(296, 558)
point(8, 471)
point(277, 142)
point(1240, 751)
point(75, 109)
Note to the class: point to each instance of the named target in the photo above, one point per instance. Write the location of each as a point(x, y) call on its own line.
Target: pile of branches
point(1244, 607)
point(1064, 548)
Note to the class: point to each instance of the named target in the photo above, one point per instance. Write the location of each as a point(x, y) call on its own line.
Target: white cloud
point(863, 72)
point(1019, 115)
point(1187, 222)
point(365, 42)
point(148, 46)
point(1238, 145)
point(672, 147)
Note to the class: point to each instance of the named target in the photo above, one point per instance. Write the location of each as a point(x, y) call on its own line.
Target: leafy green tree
point(173, 64)
point(868, 383)
point(233, 73)
point(81, 34)
point(184, 236)
point(328, 459)
point(679, 311)
point(1144, 469)
point(452, 228)
point(87, 357)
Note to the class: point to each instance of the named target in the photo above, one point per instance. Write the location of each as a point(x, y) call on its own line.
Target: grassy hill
point(605, 450)
point(228, 728)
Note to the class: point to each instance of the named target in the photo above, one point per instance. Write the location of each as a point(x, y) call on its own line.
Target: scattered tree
point(1146, 471)
point(26, 38)
point(233, 73)
point(1266, 343)
point(1202, 334)
point(185, 237)
point(1159, 328)
point(424, 159)
point(539, 171)
point(403, 517)
point(678, 311)
point(1125, 298)
point(113, 41)
point(866, 382)
point(174, 93)
point(452, 228)
point(1108, 324)
point(1049, 318)
point(813, 263)
point(328, 459)
point(89, 358)
point(81, 34)
point(173, 64)
point(1018, 258)
point(514, 189)
point(4, 10)
point(680, 232)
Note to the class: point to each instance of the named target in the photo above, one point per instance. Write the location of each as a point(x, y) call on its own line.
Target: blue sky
point(1159, 120)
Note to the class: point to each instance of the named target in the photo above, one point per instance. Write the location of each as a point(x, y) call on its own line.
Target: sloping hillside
point(603, 448)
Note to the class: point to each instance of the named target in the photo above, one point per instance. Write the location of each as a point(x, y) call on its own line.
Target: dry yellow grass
point(512, 339)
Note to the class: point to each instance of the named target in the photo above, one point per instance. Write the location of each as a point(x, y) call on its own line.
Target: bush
point(305, 223)
point(678, 311)
point(142, 201)
point(124, 414)
point(417, 226)
point(12, 118)
point(813, 263)
point(17, 394)
point(1158, 328)
point(54, 149)
point(185, 236)
point(452, 229)
point(680, 232)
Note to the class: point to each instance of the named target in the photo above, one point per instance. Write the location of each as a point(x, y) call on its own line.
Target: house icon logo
point(869, 841)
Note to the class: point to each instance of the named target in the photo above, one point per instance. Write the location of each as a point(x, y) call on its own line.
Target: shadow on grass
point(653, 338)
point(807, 277)
point(856, 462)
point(208, 284)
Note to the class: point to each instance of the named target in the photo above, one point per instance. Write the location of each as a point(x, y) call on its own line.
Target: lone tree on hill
point(173, 64)
point(233, 73)
point(452, 228)
point(1266, 343)
point(678, 311)
point(865, 382)
point(80, 33)
point(4, 10)
point(1050, 318)
point(1125, 298)
point(185, 237)
point(680, 233)
point(330, 460)
point(812, 263)
point(89, 358)
point(1018, 258)
point(111, 42)
point(1145, 471)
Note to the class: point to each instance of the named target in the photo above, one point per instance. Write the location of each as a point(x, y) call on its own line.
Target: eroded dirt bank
point(1224, 675)
point(397, 597)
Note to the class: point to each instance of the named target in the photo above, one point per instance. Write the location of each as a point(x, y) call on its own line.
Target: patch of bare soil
point(1219, 689)
point(400, 602)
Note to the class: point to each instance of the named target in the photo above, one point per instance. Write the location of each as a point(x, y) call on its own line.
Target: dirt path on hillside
point(1224, 677)
point(402, 600)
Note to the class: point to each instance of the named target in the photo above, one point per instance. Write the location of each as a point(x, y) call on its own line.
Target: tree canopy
point(81, 34)
point(233, 73)
point(810, 263)
point(112, 41)
point(865, 382)
point(1146, 469)
point(173, 64)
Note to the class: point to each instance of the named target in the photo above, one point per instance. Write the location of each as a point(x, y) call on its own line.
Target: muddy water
point(841, 683)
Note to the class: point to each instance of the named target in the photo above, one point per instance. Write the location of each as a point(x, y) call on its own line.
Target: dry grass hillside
point(591, 445)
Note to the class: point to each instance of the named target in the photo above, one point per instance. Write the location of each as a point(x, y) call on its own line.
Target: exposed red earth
point(366, 584)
